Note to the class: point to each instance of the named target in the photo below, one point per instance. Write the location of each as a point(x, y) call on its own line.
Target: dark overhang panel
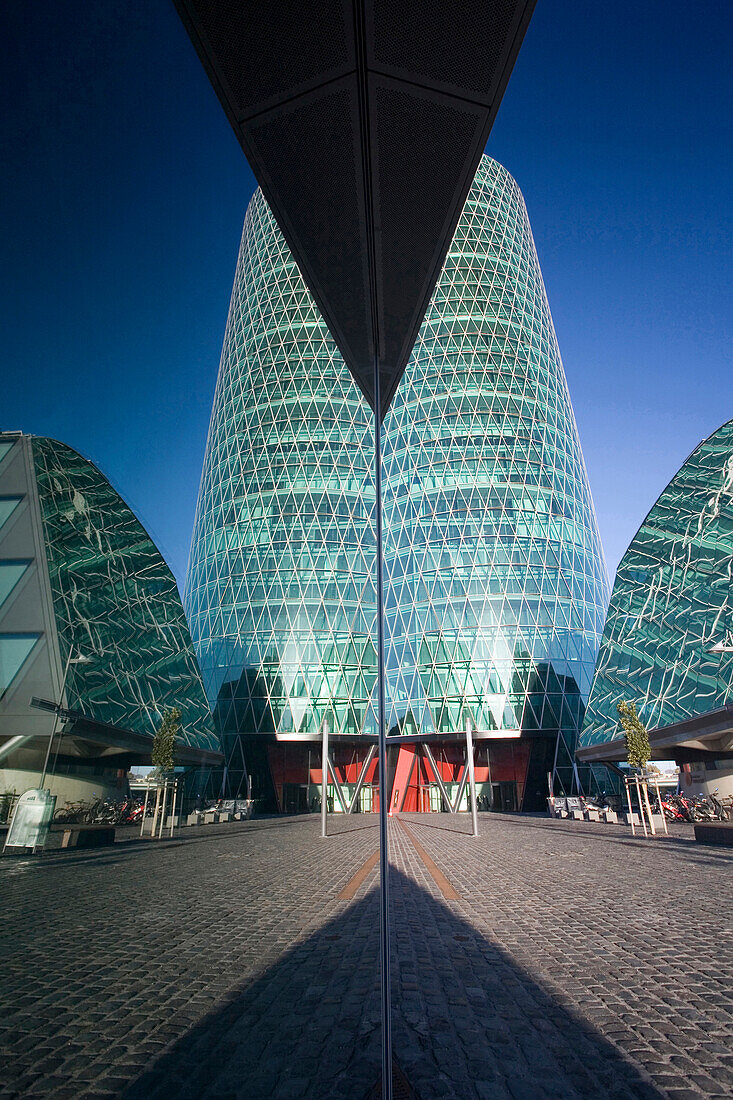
point(364, 122)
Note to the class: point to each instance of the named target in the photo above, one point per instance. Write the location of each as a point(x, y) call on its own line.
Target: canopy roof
point(702, 737)
point(364, 122)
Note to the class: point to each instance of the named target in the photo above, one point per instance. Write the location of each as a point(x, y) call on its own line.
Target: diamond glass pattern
point(495, 585)
point(7, 507)
point(280, 591)
point(116, 605)
point(10, 573)
point(672, 602)
point(14, 651)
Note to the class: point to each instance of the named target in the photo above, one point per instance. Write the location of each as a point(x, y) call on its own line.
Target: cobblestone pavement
point(576, 961)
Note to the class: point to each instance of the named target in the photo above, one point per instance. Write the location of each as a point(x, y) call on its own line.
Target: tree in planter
point(163, 758)
point(638, 751)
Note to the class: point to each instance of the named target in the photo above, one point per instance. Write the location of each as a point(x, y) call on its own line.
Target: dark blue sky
point(124, 191)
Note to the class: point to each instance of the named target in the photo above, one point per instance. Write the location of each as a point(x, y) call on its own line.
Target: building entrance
point(504, 797)
point(295, 798)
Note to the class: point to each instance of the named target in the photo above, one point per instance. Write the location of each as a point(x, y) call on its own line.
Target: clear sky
point(123, 193)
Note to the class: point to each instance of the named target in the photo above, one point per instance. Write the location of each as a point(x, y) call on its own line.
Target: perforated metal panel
point(363, 121)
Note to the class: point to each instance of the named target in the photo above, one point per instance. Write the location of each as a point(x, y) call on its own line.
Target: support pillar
point(382, 749)
point(324, 777)
point(471, 776)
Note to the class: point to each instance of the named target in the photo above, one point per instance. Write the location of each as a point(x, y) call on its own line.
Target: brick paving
point(576, 961)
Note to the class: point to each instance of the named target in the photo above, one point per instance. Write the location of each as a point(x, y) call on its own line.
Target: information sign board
point(31, 820)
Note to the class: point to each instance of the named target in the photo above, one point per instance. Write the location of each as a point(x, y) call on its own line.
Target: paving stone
point(224, 964)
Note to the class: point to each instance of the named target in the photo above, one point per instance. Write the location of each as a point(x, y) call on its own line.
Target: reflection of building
point(90, 618)
point(665, 643)
point(495, 586)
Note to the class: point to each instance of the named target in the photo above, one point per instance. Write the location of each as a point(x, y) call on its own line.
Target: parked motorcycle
point(722, 812)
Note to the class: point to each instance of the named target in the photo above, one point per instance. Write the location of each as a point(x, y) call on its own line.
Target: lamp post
point(79, 660)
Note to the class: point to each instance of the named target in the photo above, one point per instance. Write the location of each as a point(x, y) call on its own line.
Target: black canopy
point(364, 122)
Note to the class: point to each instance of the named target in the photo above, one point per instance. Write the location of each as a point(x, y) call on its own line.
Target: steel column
point(14, 743)
point(382, 734)
point(337, 786)
point(54, 727)
point(438, 778)
point(461, 788)
point(362, 777)
point(471, 776)
point(324, 776)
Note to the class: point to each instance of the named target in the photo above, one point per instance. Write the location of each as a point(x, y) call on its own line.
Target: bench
point(721, 834)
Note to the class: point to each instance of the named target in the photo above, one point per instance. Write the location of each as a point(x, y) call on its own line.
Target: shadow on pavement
point(468, 1021)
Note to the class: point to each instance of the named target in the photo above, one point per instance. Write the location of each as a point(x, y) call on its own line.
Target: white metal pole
point(173, 811)
point(162, 809)
point(631, 808)
point(471, 776)
point(645, 788)
point(324, 778)
point(55, 721)
point(154, 826)
point(145, 807)
point(382, 748)
point(641, 807)
point(661, 807)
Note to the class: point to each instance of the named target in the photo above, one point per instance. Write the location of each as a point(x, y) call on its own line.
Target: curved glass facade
point(672, 603)
point(115, 601)
point(495, 585)
point(280, 591)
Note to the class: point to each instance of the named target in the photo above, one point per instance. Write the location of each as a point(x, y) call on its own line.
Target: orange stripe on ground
point(354, 883)
point(441, 881)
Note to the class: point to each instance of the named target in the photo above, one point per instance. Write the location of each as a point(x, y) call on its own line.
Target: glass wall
point(672, 603)
point(116, 604)
point(280, 591)
point(495, 585)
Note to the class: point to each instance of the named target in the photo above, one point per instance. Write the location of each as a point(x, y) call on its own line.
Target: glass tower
point(495, 585)
point(672, 603)
point(280, 591)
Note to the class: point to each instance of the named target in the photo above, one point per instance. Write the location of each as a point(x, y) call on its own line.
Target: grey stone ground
point(577, 962)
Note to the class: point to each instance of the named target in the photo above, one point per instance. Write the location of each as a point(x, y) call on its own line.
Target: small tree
point(638, 749)
point(163, 762)
point(164, 742)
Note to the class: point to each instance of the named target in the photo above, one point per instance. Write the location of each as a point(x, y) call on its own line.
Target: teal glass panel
point(14, 652)
point(4, 449)
point(10, 574)
point(7, 507)
point(668, 639)
point(280, 590)
point(495, 583)
point(116, 604)
point(496, 586)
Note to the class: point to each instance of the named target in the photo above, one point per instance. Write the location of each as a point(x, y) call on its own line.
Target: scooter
point(704, 808)
point(670, 809)
point(722, 813)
